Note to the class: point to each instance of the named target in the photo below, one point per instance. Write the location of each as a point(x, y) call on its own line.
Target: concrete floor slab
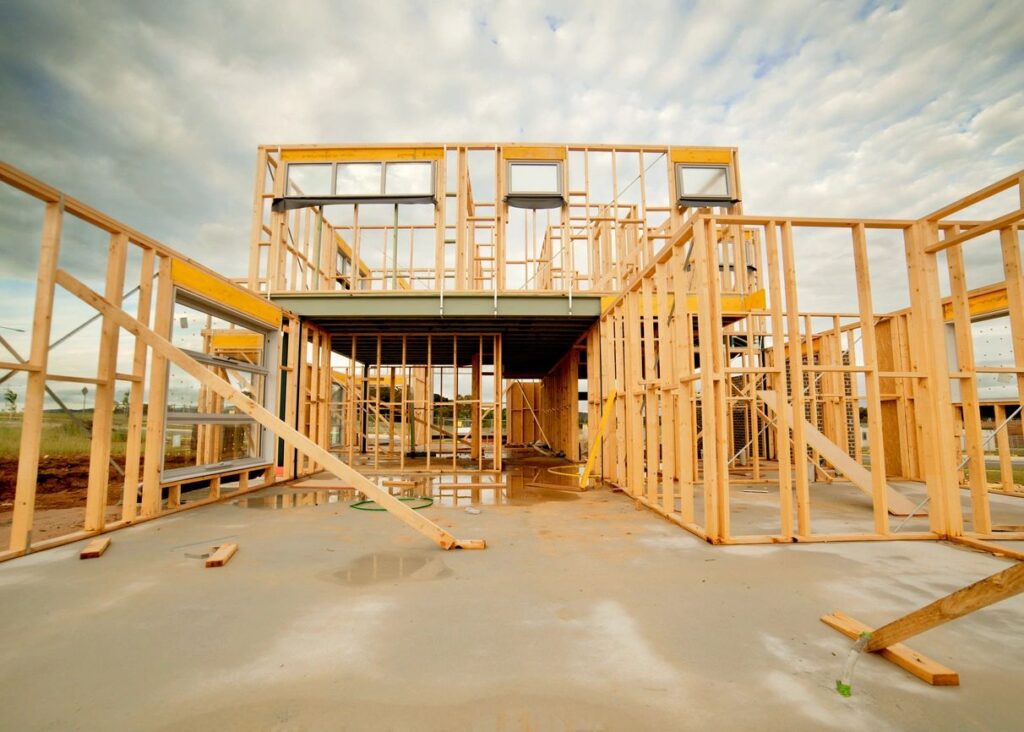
point(581, 614)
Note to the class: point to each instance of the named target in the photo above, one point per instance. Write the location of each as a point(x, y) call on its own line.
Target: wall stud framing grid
point(147, 379)
point(620, 235)
point(675, 347)
point(416, 422)
point(912, 378)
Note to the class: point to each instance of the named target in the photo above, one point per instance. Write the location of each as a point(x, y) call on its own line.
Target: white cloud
point(153, 111)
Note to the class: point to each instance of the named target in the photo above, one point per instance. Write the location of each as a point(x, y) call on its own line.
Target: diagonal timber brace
point(897, 503)
point(292, 437)
point(887, 640)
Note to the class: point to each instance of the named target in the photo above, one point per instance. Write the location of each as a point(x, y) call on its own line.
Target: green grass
point(61, 435)
point(994, 476)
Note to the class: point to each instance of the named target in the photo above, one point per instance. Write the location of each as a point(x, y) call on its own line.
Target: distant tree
point(124, 402)
point(11, 397)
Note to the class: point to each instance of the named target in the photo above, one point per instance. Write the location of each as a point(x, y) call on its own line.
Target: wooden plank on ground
point(907, 659)
point(221, 555)
point(95, 548)
point(985, 592)
point(899, 505)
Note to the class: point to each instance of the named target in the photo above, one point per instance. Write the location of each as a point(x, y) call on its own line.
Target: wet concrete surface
point(519, 485)
point(393, 568)
point(581, 614)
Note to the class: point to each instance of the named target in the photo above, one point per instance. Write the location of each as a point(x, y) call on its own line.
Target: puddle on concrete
point(392, 567)
point(524, 485)
point(517, 491)
point(296, 499)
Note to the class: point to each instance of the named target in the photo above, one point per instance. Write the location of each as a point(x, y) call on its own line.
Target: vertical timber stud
point(279, 234)
point(634, 378)
point(498, 396)
point(650, 392)
point(133, 447)
point(103, 408)
point(796, 382)
point(294, 363)
point(933, 408)
point(721, 381)
point(32, 416)
point(782, 416)
point(872, 390)
point(623, 429)
point(1009, 239)
point(682, 382)
point(257, 219)
point(981, 520)
point(666, 373)
point(455, 400)
point(155, 414)
point(475, 420)
point(465, 245)
point(440, 220)
point(608, 382)
point(1006, 481)
point(705, 341)
point(500, 217)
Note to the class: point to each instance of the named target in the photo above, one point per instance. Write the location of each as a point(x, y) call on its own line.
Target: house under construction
point(467, 323)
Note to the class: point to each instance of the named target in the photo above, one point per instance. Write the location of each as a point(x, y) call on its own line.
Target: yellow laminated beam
point(342, 378)
point(369, 154)
point(983, 303)
point(221, 291)
point(533, 152)
point(241, 341)
point(701, 155)
point(730, 303)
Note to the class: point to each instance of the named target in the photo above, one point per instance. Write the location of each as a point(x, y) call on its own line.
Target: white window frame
point(557, 164)
point(384, 164)
point(268, 399)
point(725, 167)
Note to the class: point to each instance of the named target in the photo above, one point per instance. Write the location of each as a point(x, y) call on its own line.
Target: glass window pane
point(180, 445)
point(203, 429)
point(712, 181)
point(237, 441)
point(408, 179)
point(189, 445)
point(534, 178)
point(358, 179)
point(309, 180)
point(185, 395)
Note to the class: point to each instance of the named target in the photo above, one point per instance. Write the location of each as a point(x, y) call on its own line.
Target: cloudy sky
point(151, 111)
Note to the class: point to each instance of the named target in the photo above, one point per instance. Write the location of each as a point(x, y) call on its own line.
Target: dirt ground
point(60, 495)
point(61, 483)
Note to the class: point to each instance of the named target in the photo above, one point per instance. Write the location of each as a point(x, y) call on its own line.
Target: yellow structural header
point(193, 279)
point(334, 154)
point(702, 155)
point(533, 152)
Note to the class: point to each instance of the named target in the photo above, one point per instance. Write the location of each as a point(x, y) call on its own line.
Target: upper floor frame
point(476, 217)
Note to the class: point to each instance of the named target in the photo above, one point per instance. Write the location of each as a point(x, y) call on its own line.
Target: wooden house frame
point(674, 319)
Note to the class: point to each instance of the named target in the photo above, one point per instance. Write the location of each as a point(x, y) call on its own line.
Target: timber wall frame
point(619, 208)
point(547, 411)
point(718, 377)
point(382, 413)
point(144, 493)
point(700, 410)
